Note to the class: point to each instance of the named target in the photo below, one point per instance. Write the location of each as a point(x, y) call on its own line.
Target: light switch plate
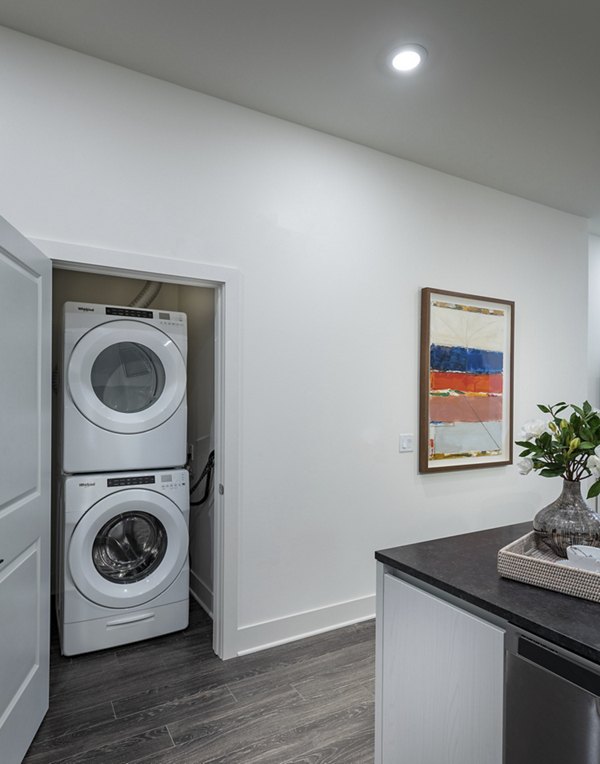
point(406, 442)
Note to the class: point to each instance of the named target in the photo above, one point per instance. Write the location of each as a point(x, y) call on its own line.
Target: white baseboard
point(201, 593)
point(260, 636)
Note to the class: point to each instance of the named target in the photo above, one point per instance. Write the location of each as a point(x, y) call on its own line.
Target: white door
point(440, 680)
point(25, 384)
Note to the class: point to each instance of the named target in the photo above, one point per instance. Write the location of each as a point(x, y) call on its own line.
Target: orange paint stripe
point(466, 383)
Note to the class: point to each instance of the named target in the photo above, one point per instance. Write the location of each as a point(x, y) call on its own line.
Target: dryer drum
point(129, 547)
point(128, 377)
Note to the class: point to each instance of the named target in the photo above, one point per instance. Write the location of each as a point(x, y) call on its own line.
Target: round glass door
point(128, 377)
point(129, 547)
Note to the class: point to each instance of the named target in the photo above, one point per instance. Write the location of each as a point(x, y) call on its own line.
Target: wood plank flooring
point(170, 700)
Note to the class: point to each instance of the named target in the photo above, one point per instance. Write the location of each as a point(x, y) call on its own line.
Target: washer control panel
point(170, 481)
point(166, 480)
point(137, 480)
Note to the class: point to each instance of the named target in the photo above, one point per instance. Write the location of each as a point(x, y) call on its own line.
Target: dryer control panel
point(131, 312)
point(167, 319)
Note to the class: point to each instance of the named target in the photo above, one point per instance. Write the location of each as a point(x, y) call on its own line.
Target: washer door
point(128, 548)
point(126, 376)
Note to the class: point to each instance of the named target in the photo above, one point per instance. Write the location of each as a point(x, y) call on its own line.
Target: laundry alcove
point(199, 304)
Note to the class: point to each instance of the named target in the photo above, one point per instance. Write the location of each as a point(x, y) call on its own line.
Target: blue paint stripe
point(470, 360)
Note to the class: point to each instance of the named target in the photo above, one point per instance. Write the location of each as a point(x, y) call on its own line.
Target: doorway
point(210, 297)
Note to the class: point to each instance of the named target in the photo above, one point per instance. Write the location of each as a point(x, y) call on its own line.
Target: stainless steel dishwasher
point(552, 704)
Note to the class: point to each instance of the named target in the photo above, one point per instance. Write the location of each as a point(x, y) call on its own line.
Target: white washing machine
point(123, 558)
point(123, 388)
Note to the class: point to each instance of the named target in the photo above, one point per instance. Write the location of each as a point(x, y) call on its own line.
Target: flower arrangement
point(563, 446)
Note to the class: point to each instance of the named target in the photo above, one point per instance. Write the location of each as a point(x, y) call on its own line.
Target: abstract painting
point(466, 394)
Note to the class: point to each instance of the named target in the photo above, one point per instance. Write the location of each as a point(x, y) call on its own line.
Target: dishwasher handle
point(560, 666)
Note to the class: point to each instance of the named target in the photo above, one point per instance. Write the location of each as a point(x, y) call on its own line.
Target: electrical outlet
point(406, 442)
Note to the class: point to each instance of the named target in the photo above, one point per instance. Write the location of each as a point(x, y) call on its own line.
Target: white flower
point(597, 451)
point(593, 464)
point(533, 428)
point(526, 465)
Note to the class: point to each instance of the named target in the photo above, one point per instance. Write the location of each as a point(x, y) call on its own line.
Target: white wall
point(594, 322)
point(334, 242)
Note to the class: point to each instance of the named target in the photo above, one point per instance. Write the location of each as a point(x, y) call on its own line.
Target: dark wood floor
point(172, 700)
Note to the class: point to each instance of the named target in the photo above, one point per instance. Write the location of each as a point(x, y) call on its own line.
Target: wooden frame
point(466, 385)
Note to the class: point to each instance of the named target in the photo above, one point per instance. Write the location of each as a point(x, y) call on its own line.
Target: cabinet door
point(441, 681)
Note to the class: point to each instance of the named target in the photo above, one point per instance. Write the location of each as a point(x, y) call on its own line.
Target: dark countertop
point(465, 566)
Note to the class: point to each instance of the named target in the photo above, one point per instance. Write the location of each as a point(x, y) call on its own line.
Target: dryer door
point(128, 548)
point(126, 376)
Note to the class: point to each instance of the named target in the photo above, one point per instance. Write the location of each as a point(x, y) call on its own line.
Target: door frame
point(227, 425)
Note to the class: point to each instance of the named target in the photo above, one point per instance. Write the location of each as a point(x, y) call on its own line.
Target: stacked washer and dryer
point(123, 493)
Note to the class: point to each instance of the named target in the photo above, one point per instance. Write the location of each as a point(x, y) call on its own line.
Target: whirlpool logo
point(86, 485)
point(85, 310)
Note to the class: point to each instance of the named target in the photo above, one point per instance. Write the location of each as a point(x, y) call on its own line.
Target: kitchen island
point(455, 643)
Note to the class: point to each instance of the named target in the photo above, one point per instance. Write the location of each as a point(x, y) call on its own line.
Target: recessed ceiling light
point(407, 58)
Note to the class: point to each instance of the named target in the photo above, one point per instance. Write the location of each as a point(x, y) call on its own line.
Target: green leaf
point(586, 444)
point(594, 490)
point(545, 440)
point(552, 467)
point(586, 407)
point(545, 409)
point(531, 449)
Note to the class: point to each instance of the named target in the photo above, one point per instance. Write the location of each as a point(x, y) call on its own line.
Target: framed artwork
point(466, 386)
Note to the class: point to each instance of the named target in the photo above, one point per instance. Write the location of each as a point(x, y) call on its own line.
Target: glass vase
point(567, 520)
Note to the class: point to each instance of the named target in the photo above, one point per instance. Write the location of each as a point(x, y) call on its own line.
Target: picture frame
point(466, 381)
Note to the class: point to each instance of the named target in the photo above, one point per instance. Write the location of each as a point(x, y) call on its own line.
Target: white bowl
point(583, 557)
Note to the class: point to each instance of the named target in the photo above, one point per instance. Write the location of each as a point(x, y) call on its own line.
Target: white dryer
point(124, 388)
point(123, 558)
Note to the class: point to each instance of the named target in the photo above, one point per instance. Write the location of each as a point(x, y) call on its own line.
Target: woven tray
point(535, 563)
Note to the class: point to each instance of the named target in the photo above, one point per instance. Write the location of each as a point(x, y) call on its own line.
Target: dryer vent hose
point(146, 294)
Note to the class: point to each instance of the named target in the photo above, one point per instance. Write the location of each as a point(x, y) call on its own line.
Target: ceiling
point(509, 96)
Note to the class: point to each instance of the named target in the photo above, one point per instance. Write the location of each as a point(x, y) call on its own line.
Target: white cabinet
point(439, 680)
